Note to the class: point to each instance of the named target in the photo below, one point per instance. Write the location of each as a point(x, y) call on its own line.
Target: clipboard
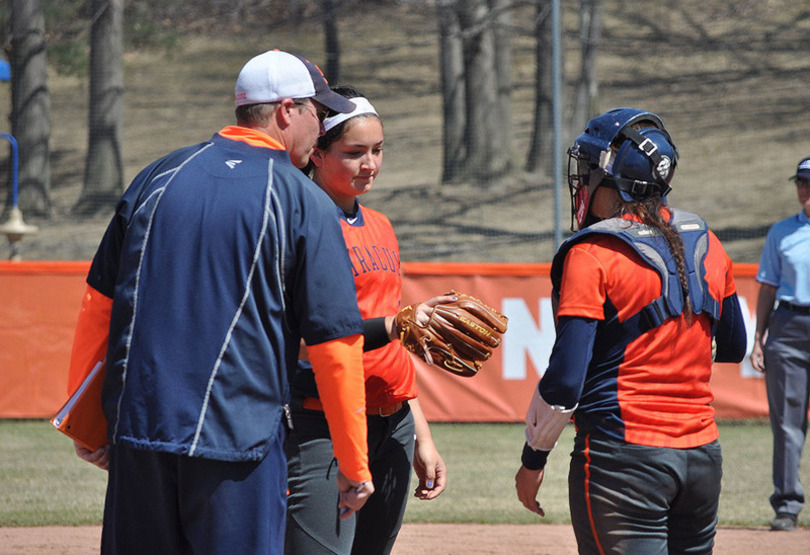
point(81, 417)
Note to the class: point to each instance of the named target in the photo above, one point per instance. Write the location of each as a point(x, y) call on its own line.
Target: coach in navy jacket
point(219, 259)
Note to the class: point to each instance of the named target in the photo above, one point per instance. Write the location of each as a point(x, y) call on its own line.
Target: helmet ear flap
point(646, 156)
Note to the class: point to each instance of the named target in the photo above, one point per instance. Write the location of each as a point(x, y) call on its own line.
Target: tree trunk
point(500, 123)
point(480, 87)
point(475, 50)
point(451, 64)
point(331, 41)
point(590, 33)
point(30, 105)
point(104, 169)
point(539, 156)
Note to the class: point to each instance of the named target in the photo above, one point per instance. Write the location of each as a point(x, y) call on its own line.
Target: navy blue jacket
point(219, 259)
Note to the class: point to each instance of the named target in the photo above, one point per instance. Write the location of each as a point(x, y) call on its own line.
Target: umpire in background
point(219, 259)
point(782, 348)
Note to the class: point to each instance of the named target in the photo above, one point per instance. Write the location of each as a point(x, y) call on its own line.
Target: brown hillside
point(730, 80)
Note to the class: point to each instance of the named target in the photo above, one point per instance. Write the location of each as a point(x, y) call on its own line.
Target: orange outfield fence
point(39, 304)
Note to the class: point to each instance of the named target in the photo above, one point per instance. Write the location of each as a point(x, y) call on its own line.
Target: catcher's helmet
point(639, 163)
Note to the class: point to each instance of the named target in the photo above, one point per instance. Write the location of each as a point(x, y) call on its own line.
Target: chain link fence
point(733, 92)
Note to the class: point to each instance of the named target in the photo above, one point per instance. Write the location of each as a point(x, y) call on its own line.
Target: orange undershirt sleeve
point(338, 369)
point(90, 338)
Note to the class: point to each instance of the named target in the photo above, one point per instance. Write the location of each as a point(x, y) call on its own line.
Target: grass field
point(42, 482)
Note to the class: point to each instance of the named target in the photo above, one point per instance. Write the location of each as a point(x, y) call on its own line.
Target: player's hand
point(423, 311)
point(527, 484)
point(303, 354)
point(100, 457)
point(430, 469)
point(353, 495)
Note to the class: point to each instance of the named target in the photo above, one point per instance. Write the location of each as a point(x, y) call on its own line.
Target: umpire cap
point(802, 170)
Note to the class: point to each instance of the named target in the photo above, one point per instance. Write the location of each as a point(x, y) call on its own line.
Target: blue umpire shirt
point(785, 260)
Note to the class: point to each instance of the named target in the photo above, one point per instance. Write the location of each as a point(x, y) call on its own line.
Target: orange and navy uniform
point(374, 254)
point(652, 389)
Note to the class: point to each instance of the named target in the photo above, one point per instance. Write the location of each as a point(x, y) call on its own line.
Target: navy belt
point(795, 307)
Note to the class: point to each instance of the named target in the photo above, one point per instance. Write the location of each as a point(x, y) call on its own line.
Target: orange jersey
point(656, 392)
point(374, 254)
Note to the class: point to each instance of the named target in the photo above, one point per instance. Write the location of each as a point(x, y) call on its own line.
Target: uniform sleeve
point(90, 338)
point(581, 307)
point(731, 336)
point(564, 378)
point(770, 269)
point(375, 334)
point(338, 368)
point(582, 292)
point(325, 302)
point(93, 325)
point(562, 383)
point(324, 295)
point(104, 268)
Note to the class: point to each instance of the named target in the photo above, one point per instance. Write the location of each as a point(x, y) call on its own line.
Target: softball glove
point(458, 336)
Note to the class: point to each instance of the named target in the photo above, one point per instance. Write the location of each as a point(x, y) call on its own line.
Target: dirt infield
point(434, 539)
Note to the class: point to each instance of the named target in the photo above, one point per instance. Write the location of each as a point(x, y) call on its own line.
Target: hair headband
point(362, 106)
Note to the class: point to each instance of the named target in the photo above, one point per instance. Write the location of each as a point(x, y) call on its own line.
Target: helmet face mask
point(636, 160)
point(584, 176)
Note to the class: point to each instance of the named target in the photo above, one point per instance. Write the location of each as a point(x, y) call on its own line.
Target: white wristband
point(545, 423)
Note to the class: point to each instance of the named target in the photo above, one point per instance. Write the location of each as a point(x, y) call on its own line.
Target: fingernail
point(430, 484)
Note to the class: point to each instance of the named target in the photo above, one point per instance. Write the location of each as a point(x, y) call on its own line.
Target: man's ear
point(282, 114)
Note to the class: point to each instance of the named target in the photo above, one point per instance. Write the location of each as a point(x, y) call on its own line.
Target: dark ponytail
point(648, 211)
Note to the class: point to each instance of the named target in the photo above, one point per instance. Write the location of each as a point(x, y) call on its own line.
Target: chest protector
point(653, 248)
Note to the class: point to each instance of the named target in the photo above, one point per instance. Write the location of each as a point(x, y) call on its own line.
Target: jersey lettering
point(376, 259)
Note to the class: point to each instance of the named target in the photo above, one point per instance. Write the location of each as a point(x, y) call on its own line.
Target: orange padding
point(473, 269)
point(40, 302)
point(338, 369)
point(39, 268)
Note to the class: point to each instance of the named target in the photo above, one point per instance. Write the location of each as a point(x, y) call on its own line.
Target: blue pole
point(15, 161)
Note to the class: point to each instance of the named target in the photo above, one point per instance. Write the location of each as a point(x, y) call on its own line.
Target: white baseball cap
point(276, 75)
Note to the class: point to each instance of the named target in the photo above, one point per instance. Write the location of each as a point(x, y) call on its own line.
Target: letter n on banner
point(528, 340)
